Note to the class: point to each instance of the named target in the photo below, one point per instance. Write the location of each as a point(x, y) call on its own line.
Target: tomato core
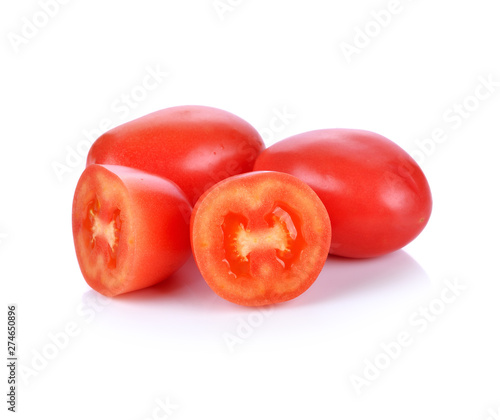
point(280, 239)
point(102, 228)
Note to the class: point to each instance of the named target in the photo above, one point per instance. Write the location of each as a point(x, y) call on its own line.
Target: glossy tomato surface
point(376, 195)
point(260, 238)
point(130, 228)
point(194, 146)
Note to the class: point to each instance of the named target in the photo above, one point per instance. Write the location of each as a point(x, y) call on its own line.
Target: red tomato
point(260, 238)
point(194, 146)
point(376, 195)
point(130, 228)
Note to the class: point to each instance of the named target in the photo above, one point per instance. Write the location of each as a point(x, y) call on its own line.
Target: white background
point(255, 59)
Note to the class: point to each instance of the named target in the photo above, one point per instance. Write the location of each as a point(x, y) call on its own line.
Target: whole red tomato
point(194, 146)
point(377, 197)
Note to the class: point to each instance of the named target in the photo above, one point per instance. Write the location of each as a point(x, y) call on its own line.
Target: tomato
point(376, 195)
point(260, 238)
point(194, 146)
point(130, 228)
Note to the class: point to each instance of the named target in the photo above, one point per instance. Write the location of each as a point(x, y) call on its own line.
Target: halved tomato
point(130, 228)
point(260, 238)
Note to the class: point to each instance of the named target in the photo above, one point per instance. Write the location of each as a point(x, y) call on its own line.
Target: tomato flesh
point(130, 228)
point(260, 238)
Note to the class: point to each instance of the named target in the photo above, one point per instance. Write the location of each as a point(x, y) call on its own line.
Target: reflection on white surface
point(397, 271)
point(184, 309)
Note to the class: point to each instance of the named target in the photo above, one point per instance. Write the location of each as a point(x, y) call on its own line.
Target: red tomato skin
point(245, 195)
point(377, 197)
point(156, 218)
point(194, 146)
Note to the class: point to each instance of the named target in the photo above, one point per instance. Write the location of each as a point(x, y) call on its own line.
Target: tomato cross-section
point(260, 238)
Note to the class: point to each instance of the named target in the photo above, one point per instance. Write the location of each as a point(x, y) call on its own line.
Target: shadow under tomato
point(185, 287)
point(340, 277)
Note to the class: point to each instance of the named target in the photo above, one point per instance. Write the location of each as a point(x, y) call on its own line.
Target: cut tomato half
point(260, 238)
point(130, 228)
